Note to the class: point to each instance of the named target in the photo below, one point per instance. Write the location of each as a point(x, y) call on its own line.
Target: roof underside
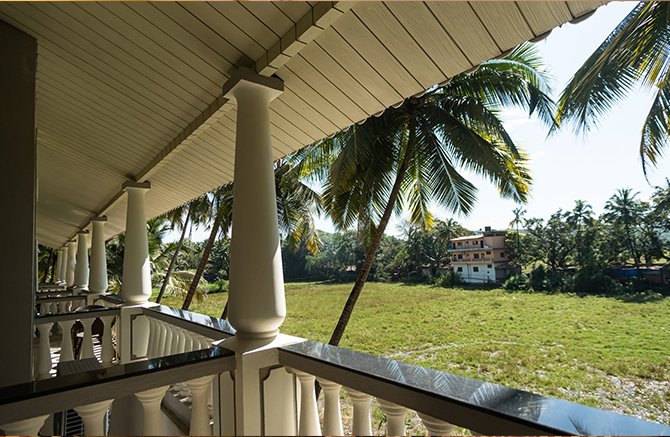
point(132, 91)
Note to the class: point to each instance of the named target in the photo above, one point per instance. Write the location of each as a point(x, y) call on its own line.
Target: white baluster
point(151, 349)
point(174, 347)
point(93, 416)
point(87, 341)
point(44, 351)
point(66, 349)
point(43, 309)
point(188, 342)
point(52, 308)
point(332, 416)
point(199, 411)
point(24, 427)
point(107, 344)
point(168, 339)
point(395, 417)
point(59, 308)
point(309, 414)
point(160, 348)
point(181, 341)
point(362, 421)
point(435, 426)
point(151, 406)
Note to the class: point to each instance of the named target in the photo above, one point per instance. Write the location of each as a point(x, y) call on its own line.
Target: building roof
point(134, 91)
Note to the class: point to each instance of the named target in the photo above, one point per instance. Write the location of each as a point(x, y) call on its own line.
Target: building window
point(488, 252)
point(460, 256)
point(459, 269)
point(502, 254)
point(476, 256)
point(489, 266)
point(475, 269)
point(459, 244)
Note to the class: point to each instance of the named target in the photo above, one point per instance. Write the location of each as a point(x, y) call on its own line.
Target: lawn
point(598, 351)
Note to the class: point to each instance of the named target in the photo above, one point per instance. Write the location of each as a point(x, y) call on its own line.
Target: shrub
point(519, 282)
point(218, 286)
point(447, 279)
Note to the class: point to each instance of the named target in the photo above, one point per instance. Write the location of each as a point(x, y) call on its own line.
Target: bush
point(447, 279)
point(518, 282)
point(218, 286)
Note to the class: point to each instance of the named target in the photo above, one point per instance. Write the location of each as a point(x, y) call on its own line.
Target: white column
point(44, 351)
point(332, 412)
point(93, 417)
point(257, 302)
point(362, 421)
point(98, 280)
point(435, 426)
point(59, 264)
point(136, 288)
point(87, 340)
point(395, 417)
point(309, 414)
point(151, 407)
point(81, 268)
point(63, 264)
point(107, 354)
point(24, 427)
point(66, 350)
point(199, 410)
point(71, 262)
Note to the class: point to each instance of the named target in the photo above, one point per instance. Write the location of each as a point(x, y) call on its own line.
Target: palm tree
point(411, 155)
point(183, 217)
point(637, 51)
point(624, 210)
point(661, 199)
point(221, 204)
point(516, 221)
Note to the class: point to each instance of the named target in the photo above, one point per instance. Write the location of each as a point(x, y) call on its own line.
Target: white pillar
point(257, 302)
point(59, 264)
point(136, 288)
point(309, 413)
point(63, 264)
point(93, 417)
point(435, 426)
point(199, 410)
point(362, 419)
point(44, 351)
point(395, 417)
point(98, 280)
point(71, 262)
point(87, 340)
point(151, 407)
point(107, 354)
point(66, 350)
point(332, 413)
point(24, 427)
point(81, 268)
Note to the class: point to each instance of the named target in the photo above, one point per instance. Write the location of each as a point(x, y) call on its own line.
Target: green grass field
point(597, 351)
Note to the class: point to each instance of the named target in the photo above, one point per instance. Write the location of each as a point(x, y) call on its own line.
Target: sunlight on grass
point(595, 350)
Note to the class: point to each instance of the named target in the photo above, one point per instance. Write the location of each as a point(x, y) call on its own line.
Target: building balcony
point(187, 375)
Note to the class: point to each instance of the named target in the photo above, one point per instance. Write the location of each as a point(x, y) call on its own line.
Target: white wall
point(485, 274)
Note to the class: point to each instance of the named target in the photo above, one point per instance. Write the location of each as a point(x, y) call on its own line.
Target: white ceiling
point(132, 91)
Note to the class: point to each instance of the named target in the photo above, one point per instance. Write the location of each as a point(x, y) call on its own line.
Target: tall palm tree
point(516, 221)
point(636, 52)
point(221, 207)
point(624, 210)
point(183, 217)
point(411, 155)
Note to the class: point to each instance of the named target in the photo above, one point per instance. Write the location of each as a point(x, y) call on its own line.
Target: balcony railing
point(270, 388)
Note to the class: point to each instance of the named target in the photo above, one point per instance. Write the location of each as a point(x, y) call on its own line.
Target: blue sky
point(565, 167)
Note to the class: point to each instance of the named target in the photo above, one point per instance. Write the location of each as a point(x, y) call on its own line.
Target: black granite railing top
point(79, 314)
point(215, 323)
point(58, 384)
point(500, 404)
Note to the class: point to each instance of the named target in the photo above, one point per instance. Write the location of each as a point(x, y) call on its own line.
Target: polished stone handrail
point(200, 323)
point(483, 407)
point(45, 396)
point(77, 315)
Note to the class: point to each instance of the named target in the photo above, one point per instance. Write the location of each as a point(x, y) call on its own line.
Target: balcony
point(192, 375)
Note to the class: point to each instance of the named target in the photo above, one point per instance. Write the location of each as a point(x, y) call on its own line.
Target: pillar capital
point(245, 79)
point(102, 218)
point(129, 185)
point(82, 232)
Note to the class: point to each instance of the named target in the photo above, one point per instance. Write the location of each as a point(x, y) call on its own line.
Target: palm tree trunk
point(203, 261)
point(173, 261)
point(52, 261)
point(224, 314)
point(374, 244)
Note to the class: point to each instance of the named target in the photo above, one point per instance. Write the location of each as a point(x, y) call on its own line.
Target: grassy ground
point(599, 351)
